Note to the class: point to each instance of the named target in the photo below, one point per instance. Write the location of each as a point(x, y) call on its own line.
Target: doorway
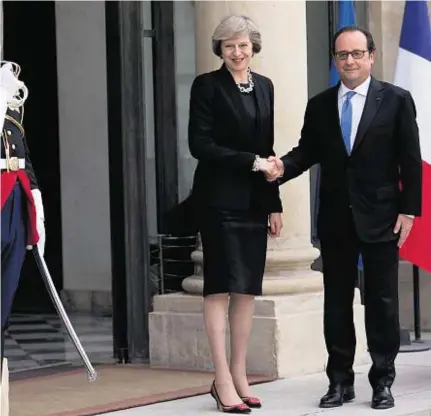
point(30, 40)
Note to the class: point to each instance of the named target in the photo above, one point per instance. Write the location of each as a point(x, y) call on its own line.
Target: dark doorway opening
point(30, 41)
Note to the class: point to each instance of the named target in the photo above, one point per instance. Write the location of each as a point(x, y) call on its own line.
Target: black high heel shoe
point(240, 408)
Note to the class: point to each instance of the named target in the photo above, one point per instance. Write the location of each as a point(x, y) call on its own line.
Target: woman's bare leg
point(240, 320)
point(215, 311)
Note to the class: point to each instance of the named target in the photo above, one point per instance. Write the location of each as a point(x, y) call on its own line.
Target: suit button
point(9, 133)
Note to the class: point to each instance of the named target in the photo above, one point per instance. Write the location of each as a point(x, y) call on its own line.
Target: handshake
point(272, 168)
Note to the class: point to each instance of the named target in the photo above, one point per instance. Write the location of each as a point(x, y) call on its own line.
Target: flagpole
point(416, 304)
point(418, 344)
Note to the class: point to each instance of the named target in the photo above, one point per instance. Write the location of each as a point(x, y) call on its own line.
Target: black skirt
point(234, 244)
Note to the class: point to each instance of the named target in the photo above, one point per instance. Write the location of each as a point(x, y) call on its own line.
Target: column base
point(286, 339)
point(301, 282)
point(287, 271)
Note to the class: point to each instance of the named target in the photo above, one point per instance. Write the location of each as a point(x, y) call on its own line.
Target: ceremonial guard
point(22, 216)
point(22, 213)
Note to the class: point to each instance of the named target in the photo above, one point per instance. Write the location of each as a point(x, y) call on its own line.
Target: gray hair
point(235, 26)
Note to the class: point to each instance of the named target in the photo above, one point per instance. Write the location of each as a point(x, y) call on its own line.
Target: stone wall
point(385, 21)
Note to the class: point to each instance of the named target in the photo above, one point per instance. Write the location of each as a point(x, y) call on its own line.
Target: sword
point(91, 373)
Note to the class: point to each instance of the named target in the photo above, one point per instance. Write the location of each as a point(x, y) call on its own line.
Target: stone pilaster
point(287, 336)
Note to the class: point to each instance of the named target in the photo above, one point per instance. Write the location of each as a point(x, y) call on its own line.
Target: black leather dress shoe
point(382, 398)
point(336, 396)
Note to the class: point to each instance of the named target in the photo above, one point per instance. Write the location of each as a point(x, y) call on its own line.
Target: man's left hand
point(403, 226)
point(275, 224)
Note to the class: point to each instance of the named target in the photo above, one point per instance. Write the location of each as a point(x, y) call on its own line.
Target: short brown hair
point(234, 26)
point(371, 46)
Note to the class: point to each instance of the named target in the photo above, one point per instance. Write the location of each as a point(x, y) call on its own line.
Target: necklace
point(250, 86)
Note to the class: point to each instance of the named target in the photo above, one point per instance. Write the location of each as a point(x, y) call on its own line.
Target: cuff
point(37, 196)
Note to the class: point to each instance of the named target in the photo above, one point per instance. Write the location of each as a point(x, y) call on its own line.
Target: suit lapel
point(334, 117)
point(262, 103)
point(372, 104)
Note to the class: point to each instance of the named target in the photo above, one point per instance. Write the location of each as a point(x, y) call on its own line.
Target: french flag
point(413, 73)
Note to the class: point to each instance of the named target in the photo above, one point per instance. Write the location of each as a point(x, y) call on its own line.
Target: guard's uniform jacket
point(18, 211)
point(19, 168)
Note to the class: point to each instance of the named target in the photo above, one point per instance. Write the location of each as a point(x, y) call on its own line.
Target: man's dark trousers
point(380, 260)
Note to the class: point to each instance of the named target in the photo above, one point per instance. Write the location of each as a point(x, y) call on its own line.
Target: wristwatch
point(256, 164)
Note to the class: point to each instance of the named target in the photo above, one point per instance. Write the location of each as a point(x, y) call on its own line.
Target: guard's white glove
point(40, 221)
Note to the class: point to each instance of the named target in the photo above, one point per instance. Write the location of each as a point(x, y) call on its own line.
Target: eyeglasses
point(344, 55)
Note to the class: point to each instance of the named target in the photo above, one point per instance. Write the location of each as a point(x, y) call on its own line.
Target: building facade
point(106, 121)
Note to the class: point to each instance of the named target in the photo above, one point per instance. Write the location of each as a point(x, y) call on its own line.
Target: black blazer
point(225, 141)
point(385, 155)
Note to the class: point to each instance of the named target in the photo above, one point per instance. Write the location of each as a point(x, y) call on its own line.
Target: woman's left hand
point(275, 224)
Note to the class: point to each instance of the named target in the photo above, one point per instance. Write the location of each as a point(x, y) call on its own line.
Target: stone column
point(284, 59)
point(84, 163)
point(287, 335)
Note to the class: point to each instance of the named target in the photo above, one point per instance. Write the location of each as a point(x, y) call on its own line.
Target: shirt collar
point(360, 89)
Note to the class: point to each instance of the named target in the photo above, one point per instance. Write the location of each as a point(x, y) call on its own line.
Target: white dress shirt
point(358, 104)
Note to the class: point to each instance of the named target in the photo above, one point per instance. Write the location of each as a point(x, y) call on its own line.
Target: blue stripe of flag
point(416, 29)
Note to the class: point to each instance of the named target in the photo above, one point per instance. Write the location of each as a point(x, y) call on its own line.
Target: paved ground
point(298, 396)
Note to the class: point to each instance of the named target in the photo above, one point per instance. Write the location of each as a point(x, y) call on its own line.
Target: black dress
point(234, 241)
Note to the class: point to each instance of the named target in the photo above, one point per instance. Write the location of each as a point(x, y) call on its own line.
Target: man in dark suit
point(363, 133)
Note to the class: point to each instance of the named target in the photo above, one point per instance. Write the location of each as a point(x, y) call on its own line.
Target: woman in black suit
point(231, 134)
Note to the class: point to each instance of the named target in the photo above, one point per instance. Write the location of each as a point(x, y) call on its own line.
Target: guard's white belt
point(14, 164)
